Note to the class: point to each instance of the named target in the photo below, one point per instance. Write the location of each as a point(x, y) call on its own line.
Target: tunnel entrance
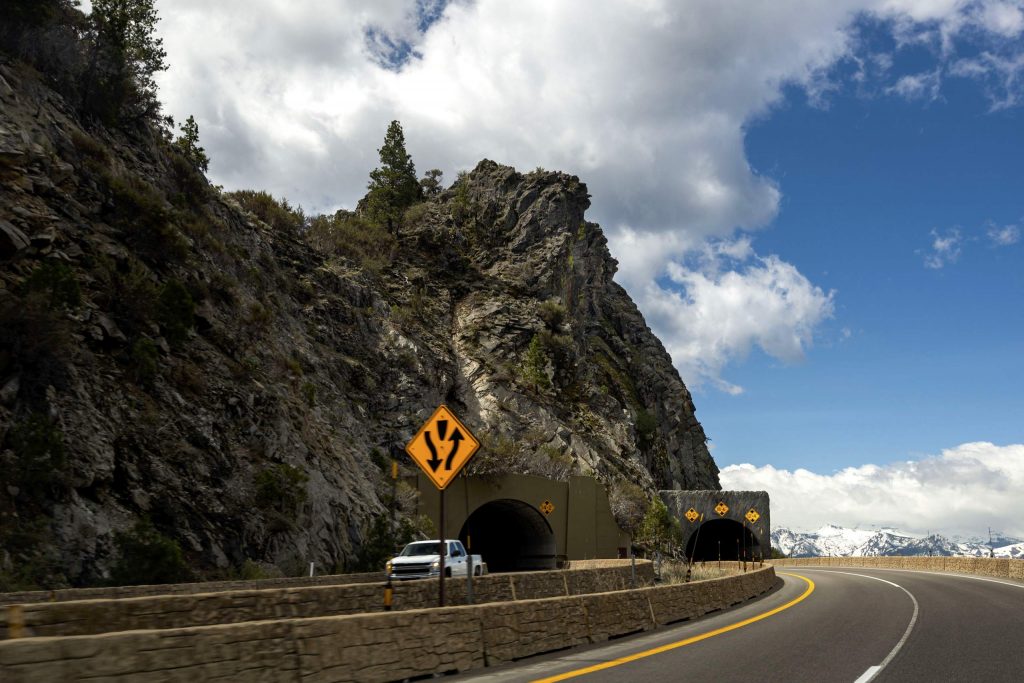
point(511, 536)
point(724, 539)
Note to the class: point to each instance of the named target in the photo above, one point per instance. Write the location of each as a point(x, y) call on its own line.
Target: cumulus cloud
point(945, 248)
point(1003, 236)
point(645, 100)
point(717, 314)
point(962, 491)
point(1003, 18)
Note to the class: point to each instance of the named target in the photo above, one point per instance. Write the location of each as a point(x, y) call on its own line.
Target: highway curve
point(851, 625)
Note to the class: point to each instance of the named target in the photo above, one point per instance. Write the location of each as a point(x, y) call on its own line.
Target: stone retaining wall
point(370, 647)
point(84, 617)
point(985, 566)
point(62, 594)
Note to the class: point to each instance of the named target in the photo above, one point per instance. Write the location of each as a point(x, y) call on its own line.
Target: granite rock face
point(296, 369)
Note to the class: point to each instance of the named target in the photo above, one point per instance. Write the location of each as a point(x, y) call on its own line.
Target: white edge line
point(909, 571)
point(869, 675)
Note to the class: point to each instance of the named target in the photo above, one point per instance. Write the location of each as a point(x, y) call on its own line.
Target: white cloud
point(1003, 18)
point(945, 249)
point(715, 316)
point(962, 491)
point(1001, 75)
point(921, 86)
point(1003, 236)
point(645, 100)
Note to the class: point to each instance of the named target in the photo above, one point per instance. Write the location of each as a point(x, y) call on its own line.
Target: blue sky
point(816, 205)
point(933, 356)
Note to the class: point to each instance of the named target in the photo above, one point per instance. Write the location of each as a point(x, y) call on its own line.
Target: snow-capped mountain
point(836, 540)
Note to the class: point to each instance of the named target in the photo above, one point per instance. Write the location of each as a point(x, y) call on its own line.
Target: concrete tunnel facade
point(727, 524)
point(521, 522)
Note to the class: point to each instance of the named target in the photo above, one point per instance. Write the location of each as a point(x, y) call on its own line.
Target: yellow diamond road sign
point(692, 515)
point(721, 508)
point(442, 447)
point(752, 515)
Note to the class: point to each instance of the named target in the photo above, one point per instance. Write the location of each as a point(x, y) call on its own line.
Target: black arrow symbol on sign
point(456, 438)
point(434, 461)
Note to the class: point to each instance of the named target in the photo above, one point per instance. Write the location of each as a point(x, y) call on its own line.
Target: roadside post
point(752, 516)
point(469, 573)
point(441, 448)
point(632, 564)
point(389, 589)
point(693, 553)
point(744, 547)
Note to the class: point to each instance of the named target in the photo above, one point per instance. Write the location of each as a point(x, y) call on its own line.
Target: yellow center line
point(671, 646)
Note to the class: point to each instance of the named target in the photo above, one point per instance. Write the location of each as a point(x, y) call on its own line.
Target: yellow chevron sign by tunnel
point(442, 447)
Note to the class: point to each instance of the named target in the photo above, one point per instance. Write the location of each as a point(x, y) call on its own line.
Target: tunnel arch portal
point(724, 539)
point(510, 535)
point(712, 516)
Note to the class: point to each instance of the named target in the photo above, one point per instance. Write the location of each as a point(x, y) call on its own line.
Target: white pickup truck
point(422, 560)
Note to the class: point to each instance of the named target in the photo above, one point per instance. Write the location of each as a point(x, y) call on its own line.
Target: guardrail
point(985, 566)
point(372, 647)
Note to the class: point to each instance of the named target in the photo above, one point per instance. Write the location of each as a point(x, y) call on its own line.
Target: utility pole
point(991, 549)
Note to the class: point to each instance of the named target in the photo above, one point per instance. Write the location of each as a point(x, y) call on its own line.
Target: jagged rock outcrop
point(165, 354)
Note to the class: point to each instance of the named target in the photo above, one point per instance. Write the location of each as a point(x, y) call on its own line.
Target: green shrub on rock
point(146, 556)
point(280, 490)
point(57, 280)
point(144, 361)
point(40, 458)
point(646, 427)
point(175, 312)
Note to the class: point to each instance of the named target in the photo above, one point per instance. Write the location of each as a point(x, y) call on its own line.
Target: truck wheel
point(448, 572)
point(477, 571)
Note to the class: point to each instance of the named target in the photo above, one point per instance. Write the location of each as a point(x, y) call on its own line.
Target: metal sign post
point(441, 448)
point(444, 552)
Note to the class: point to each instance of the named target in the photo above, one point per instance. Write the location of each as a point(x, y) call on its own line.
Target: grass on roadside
point(675, 572)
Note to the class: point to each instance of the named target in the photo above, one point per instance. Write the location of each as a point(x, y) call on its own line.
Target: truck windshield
point(425, 548)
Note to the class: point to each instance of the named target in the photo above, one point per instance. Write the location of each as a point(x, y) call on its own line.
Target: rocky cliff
point(166, 354)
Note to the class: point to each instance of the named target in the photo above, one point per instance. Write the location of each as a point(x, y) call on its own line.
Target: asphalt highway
point(849, 625)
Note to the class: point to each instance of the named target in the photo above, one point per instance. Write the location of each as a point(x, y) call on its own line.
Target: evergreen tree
point(33, 12)
point(535, 365)
point(431, 183)
point(125, 53)
point(659, 530)
point(393, 186)
point(188, 145)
